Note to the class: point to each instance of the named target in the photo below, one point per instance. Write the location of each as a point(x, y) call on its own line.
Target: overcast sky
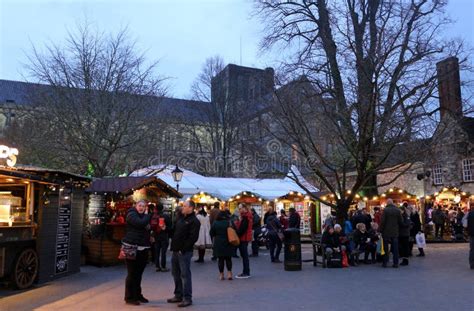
point(181, 34)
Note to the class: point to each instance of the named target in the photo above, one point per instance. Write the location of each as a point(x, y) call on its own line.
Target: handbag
point(232, 236)
point(128, 251)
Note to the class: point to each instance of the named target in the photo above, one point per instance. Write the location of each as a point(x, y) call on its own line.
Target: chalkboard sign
point(63, 233)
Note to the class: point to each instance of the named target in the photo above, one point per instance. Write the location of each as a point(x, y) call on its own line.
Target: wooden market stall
point(398, 196)
point(109, 200)
point(41, 214)
point(307, 209)
point(204, 199)
point(254, 200)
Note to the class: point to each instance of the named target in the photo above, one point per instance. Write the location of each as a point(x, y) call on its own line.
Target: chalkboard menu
point(63, 233)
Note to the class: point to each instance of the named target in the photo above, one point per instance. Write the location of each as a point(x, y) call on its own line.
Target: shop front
point(109, 201)
point(41, 213)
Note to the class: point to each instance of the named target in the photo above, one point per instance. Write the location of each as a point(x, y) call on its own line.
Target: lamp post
point(177, 175)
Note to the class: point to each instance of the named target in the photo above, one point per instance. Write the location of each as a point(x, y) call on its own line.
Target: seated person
point(331, 242)
point(364, 242)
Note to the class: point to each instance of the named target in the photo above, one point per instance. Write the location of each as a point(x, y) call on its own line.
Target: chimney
point(449, 87)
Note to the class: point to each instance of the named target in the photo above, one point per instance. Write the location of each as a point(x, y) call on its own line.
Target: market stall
point(254, 200)
point(41, 212)
point(204, 199)
point(109, 200)
point(398, 196)
point(306, 208)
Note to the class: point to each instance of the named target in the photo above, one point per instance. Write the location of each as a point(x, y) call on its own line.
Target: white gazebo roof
point(226, 187)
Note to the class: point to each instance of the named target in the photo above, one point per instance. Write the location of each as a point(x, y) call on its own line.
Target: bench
point(318, 250)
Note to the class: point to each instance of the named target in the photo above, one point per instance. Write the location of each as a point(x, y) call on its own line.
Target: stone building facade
point(450, 162)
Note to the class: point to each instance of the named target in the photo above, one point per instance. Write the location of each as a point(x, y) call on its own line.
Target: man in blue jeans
point(186, 233)
point(390, 228)
point(244, 231)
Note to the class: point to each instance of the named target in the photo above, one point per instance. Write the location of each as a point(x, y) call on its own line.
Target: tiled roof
point(19, 93)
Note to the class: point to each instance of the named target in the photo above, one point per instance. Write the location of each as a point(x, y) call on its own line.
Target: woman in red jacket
point(244, 231)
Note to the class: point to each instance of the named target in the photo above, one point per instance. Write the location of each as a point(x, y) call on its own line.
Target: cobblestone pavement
point(440, 281)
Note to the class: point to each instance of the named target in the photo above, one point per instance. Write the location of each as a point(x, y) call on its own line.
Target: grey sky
point(181, 34)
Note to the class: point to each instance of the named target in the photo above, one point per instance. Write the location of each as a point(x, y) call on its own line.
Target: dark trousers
point(244, 253)
point(439, 230)
point(161, 246)
point(471, 252)
point(181, 270)
point(135, 268)
point(393, 248)
point(275, 244)
point(255, 245)
point(228, 263)
point(404, 246)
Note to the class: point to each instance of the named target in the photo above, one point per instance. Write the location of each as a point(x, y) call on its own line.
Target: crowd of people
point(394, 231)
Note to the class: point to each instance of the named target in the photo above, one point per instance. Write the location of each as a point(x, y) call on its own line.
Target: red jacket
point(245, 236)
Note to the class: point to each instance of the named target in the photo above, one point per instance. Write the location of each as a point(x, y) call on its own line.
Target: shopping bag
point(380, 249)
point(420, 240)
point(345, 260)
point(232, 237)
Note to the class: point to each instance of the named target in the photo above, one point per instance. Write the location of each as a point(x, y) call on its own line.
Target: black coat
point(138, 228)
point(294, 221)
point(405, 226)
point(391, 222)
point(330, 240)
point(416, 224)
point(186, 233)
point(222, 247)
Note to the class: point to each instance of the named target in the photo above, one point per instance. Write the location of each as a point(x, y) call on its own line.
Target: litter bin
point(292, 261)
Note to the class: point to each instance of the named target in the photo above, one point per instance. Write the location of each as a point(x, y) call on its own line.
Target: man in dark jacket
point(295, 219)
point(468, 222)
point(439, 218)
point(390, 229)
point(161, 233)
point(257, 230)
point(186, 233)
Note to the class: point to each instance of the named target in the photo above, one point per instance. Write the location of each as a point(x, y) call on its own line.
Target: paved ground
point(440, 281)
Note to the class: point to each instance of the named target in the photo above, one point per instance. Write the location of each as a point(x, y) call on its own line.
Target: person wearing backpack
point(161, 227)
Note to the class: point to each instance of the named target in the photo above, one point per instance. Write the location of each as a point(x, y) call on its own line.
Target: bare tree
point(99, 110)
point(226, 118)
point(370, 75)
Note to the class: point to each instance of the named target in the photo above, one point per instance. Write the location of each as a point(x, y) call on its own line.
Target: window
point(468, 170)
point(437, 174)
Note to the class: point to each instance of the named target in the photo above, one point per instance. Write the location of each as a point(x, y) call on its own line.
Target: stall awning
point(126, 185)
point(43, 175)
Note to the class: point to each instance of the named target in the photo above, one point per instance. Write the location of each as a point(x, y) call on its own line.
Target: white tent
point(224, 188)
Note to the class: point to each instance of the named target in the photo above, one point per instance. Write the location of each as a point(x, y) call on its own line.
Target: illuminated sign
point(9, 154)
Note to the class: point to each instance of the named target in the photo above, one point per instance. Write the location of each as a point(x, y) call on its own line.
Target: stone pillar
point(449, 87)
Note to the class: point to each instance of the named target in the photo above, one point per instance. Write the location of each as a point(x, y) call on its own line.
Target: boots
point(422, 252)
point(404, 262)
point(201, 253)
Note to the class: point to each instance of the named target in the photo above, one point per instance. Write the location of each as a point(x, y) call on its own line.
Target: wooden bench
point(318, 250)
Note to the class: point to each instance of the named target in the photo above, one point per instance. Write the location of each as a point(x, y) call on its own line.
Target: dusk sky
point(181, 34)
